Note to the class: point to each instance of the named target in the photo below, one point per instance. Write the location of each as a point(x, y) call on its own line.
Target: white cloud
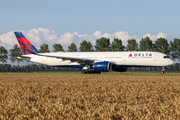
point(124, 36)
point(40, 35)
point(66, 38)
point(154, 37)
point(96, 34)
point(162, 35)
point(8, 40)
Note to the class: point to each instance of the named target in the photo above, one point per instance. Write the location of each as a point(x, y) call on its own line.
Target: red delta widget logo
point(130, 55)
point(140, 55)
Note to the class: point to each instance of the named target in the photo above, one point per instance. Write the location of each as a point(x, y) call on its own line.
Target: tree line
point(42, 68)
point(103, 44)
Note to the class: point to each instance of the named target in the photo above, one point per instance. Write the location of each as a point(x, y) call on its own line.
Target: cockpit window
point(166, 57)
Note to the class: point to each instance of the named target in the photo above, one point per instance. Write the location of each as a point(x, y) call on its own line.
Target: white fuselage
point(129, 59)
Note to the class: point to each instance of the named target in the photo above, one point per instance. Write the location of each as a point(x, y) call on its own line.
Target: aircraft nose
point(171, 62)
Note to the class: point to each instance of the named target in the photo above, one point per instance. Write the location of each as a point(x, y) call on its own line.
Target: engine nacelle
point(102, 66)
point(119, 68)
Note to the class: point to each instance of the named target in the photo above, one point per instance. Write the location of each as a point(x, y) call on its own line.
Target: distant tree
point(7, 67)
point(57, 47)
point(41, 67)
point(3, 56)
point(72, 47)
point(176, 67)
point(132, 45)
point(117, 45)
point(16, 51)
point(175, 49)
point(44, 49)
point(85, 46)
point(103, 44)
point(146, 44)
point(161, 45)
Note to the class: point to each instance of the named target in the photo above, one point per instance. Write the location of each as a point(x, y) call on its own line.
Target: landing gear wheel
point(163, 70)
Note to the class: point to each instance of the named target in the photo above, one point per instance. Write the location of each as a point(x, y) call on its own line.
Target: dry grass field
point(100, 97)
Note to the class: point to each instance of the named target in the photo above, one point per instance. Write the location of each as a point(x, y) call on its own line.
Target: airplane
point(93, 62)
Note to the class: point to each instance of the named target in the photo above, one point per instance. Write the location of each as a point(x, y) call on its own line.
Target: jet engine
point(102, 66)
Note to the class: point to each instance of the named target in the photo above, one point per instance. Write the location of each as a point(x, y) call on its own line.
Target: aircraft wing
point(72, 59)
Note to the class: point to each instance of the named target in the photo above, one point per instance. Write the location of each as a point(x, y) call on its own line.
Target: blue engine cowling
point(102, 66)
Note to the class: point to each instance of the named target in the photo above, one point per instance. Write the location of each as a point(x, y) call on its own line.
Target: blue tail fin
point(25, 45)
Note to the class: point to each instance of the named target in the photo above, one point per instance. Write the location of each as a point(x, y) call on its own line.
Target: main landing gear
point(87, 69)
point(90, 72)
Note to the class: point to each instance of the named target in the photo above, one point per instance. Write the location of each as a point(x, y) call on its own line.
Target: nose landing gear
point(163, 70)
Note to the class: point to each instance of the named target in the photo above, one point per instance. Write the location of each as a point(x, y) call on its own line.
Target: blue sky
point(137, 17)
